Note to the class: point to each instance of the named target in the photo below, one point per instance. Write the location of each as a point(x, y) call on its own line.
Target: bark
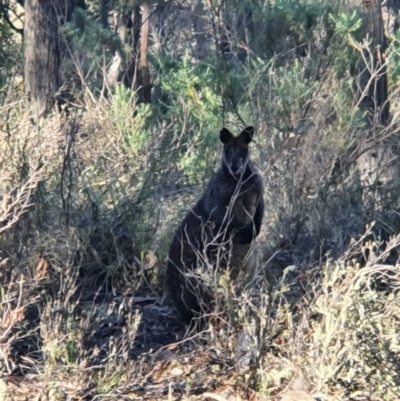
point(144, 64)
point(41, 55)
point(131, 80)
point(376, 164)
point(117, 69)
point(133, 69)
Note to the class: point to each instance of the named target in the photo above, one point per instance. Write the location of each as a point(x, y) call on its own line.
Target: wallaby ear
point(247, 134)
point(225, 135)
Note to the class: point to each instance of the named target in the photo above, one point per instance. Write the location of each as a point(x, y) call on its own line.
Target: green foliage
point(92, 46)
point(349, 118)
point(301, 20)
point(346, 28)
point(290, 90)
point(301, 16)
point(10, 54)
point(195, 107)
point(130, 119)
point(129, 173)
point(345, 23)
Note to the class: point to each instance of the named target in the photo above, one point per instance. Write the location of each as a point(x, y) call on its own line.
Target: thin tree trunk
point(133, 69)
point(144, 64)
point(132, 75)
point(376, 166)
point(41, 54)
point(117, 69)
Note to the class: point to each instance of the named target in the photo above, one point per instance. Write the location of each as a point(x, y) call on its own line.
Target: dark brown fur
point(230, 212)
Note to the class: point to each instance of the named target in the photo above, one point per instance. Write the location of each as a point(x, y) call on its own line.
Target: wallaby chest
point(239, 198)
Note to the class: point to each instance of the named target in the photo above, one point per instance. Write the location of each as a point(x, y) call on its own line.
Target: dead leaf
point(150, 260)
point(178, 369)
point(13, 316)
point(42, 269)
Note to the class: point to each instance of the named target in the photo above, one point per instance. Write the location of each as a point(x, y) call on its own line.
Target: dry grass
point(88, 207)
point(82, 310)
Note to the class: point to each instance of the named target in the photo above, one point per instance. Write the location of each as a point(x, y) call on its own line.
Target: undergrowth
point(90, 199)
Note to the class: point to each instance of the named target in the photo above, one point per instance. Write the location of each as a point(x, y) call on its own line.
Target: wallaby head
point(235, 155)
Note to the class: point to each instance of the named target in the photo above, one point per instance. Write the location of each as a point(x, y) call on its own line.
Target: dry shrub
point(84, 199)
point(341, 339)
point(337, 341)
point(73, 194)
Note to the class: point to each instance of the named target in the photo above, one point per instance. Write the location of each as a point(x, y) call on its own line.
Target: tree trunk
point(145, 84)
point(133, 69)
point(123, 68)
point(131, 79)
point(376, 164)
point(41, 54)
point(118, 66)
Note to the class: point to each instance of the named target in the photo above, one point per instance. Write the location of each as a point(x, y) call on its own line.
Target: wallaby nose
point(235, 168)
